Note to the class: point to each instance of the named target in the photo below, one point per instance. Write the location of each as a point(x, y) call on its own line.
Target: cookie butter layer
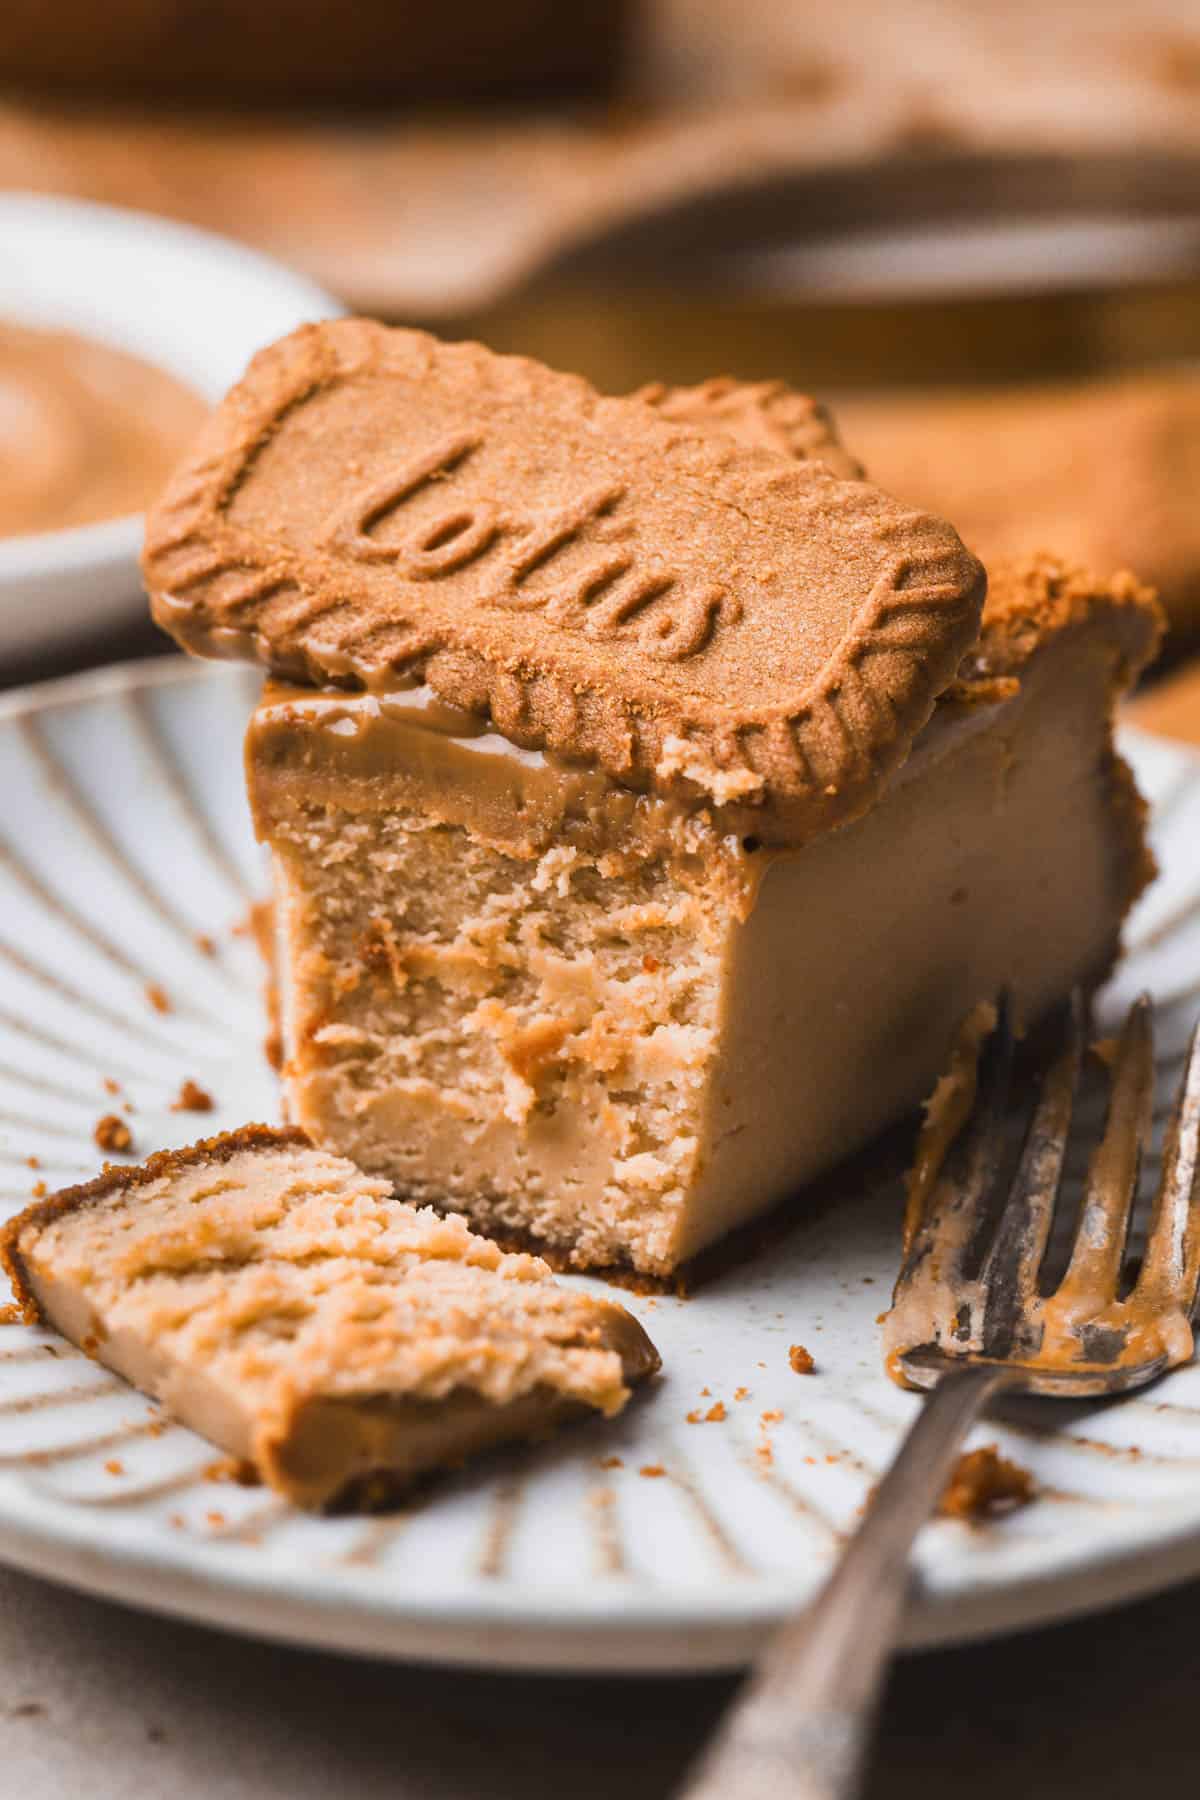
point(285, 1306)
point(691, 613)
point(370, 751)
point(624, 1027)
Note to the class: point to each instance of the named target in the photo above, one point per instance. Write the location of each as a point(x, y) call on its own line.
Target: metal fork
point(968, 1319)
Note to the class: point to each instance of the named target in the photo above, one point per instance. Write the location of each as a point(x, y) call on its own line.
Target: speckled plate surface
point(126, 863)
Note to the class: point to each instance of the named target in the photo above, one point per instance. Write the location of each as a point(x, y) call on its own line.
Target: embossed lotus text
point(570, 562)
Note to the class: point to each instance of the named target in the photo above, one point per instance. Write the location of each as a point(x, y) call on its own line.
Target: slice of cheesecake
point(671, 839)
point(619, 1031)
point(283, 1305)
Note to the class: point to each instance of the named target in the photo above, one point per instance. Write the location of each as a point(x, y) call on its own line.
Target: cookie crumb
point(206, 945)
point(33, 1162)
point(111, 1086)
point(652, 1471)
point(158, 997)
point(114, 1466)
point(39, 1190)
point(741, 1393)
point(801, 1360)
point(611, 1462)
point(232, 1468)
point(772, 1417)
point(192, 1098)
point(985, 1484)
point(715, 1413)
point(112, 1133)
point(694, 1418)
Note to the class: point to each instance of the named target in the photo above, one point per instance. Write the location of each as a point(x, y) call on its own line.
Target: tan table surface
point(100, 1703)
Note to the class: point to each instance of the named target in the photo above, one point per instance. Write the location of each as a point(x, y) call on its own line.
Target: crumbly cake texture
point(289, 1308)
point(625, 1038)
point(1104, 472)
point(690, 613)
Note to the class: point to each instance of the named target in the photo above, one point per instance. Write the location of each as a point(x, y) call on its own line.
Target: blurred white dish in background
point(197, 305)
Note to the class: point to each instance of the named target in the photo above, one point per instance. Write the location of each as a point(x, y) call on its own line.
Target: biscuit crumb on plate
point(984, 1484)
point(112, 1133)
point(192, 1098)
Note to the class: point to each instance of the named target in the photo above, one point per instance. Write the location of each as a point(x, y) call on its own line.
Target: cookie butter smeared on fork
point(640, 834)
point(1003, 1303)
point(283, 1305)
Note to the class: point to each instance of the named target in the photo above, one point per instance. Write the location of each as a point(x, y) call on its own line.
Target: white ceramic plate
point(122, 836)
point(197, 305)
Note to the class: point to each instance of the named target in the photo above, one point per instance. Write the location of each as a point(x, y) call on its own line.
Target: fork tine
point(1094, 1272)
point(1010, 1270)
point(957, 1205)
point(1171, 1269)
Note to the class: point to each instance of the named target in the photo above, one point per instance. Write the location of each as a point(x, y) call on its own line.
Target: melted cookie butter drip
point(364, 750)
point(86, 431)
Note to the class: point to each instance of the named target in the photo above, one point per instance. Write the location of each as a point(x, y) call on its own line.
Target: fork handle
point(800, 1728)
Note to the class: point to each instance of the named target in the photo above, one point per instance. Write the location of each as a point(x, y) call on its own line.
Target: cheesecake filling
point(620, 1027)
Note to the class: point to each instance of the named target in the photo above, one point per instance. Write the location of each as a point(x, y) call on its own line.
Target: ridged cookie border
point(222, 593)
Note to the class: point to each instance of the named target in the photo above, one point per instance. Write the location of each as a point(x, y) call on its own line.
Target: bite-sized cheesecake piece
point(284, 1305)
point(1105, 473)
